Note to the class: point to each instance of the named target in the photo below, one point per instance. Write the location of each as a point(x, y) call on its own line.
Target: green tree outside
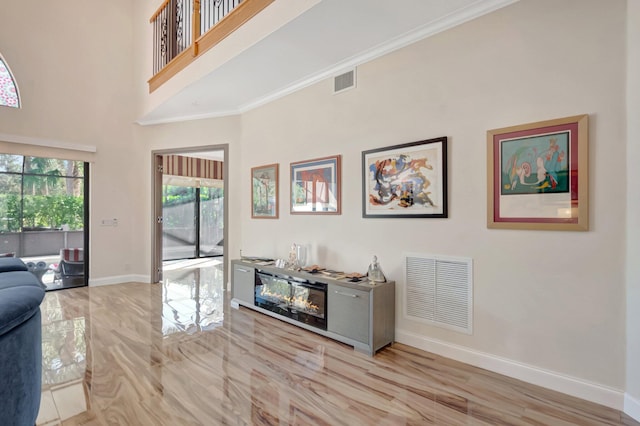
point(40, 193)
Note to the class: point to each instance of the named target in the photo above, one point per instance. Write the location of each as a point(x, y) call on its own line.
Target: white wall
point(551, 300)
point(73, 62)
point(554, 301)
point(632, 402)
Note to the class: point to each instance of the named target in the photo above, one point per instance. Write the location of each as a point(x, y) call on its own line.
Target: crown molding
point(459, 17)
point(180, 118)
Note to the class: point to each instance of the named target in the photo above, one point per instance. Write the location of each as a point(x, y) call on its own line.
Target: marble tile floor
point(174, 353)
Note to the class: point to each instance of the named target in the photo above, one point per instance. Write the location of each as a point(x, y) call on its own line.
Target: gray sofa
point(20, 343)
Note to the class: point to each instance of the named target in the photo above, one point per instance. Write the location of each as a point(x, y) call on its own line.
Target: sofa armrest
point(17, 305)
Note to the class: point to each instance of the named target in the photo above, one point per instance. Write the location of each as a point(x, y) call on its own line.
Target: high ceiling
point(331, 37)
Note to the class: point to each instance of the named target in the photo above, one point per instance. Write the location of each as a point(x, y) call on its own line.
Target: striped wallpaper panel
point(178, 165)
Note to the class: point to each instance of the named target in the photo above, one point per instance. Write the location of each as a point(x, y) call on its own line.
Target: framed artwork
point(538, 175)
point(406, 181)
point(264, 192)
point(315, 186)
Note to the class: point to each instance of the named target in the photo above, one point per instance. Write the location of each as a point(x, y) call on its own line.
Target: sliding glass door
point(211, 225)
point(178, 222)
point(192, 218)
point(43, 213)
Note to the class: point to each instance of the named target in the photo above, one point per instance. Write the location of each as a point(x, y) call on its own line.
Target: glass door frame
point(192, 207)
point(186, 216)
point(85, 206)
point(156, 217)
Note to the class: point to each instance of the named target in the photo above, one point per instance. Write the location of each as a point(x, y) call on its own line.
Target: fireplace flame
point(299, 302)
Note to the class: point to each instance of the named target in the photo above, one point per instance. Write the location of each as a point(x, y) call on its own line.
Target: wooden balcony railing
point(184, 29)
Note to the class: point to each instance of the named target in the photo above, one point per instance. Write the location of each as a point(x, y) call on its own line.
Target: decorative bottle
point(293, 257)
point(375, 272)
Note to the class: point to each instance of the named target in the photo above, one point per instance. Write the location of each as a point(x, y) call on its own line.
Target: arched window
point(9, 95)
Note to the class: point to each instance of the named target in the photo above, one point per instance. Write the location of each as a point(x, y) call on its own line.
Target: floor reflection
point(65, 379)
point(64, 352)
point(192, 296)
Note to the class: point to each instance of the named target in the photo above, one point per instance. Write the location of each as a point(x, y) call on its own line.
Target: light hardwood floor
point(176, 354)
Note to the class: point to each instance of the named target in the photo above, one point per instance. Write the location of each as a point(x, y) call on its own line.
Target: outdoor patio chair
point(71, 267)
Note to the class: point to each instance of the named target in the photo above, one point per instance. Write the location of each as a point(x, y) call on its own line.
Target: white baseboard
point(119, 279)
point(631, 407)
point(613, 398)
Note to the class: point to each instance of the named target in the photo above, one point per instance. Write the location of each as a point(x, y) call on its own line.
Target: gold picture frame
point(538, 176)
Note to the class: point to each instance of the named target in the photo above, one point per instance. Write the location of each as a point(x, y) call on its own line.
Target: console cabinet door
point(243, 283)
point(348, 312)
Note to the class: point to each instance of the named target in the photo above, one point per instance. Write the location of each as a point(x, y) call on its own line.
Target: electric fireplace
point(298, 299)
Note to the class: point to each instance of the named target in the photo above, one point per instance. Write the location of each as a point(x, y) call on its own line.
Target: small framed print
point(264, 192)
point(315, 186)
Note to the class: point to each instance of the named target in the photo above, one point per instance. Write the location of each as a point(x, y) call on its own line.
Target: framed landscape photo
point(315, 186)
point(537, 175)
point(406, 181)
point(264, 192)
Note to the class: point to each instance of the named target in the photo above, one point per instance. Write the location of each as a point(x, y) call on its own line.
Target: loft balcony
point(215, 59)
point(184, 29)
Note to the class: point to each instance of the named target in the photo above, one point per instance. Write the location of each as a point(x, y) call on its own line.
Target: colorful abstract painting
point(537, 164)
point(408, 180)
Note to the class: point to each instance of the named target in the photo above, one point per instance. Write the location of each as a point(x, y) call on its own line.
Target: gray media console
point(359, 314)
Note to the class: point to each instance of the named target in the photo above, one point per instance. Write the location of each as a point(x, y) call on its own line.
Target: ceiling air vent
point(344, 81)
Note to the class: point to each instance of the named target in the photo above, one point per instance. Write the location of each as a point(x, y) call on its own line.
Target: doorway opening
point(190, 212)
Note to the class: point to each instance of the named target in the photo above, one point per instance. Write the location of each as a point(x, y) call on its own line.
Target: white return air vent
point(439, 291)
point(344, 81)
